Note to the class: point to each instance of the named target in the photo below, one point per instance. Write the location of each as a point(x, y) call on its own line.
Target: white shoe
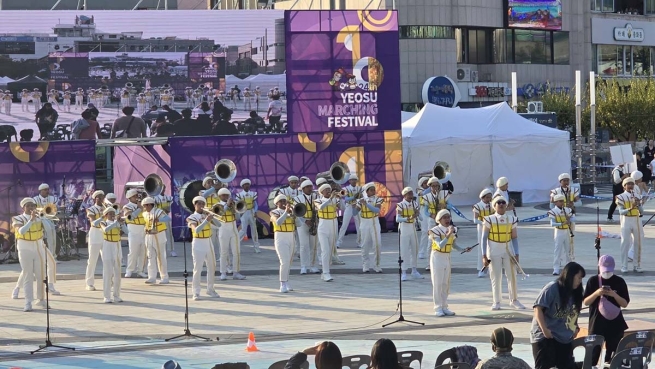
point(164, 281)
point(142, 275)
point(638, 270)
point(283, 287)
point(196, 297)
point(28, 307)
point(610, 220)
point(338, 262)
point(440, 312)
point(303, 271)
point(14, 293)
point(41, 303)
point(223, 277)
point(421, 255)
point(151, 281)
point(516, 304)
point(128, 275)
point(326, 277)
point(448, 312)
point(315, 270)
point(403, 277)
point(107, 301)
point(212, 293)
point(238, 276)
point(365, 269)
point(118, 299)
point(482, 274)
point(52, 290)
point(555, 272)
point(624, 270)
point(90, 288)
point(427, 268)
point(257, 250)
point(289, 287)
point(229, 270)
point(417, 275)
point(377, 269)
point(174, 254)
point(495, 306)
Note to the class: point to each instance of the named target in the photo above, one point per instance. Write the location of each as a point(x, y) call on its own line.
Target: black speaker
point(587, 189)
point(383, 225)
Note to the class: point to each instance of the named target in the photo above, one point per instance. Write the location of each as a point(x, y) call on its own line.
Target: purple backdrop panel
point(342, 70)
point(69, 167)
point(269, 160)
point(135, 163)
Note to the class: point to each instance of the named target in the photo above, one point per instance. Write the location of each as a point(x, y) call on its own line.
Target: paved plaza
point(349, 310)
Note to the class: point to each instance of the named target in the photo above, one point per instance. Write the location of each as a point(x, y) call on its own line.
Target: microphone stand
point(187, 331)
point(597, 240)
point(401, 318)
point(48, 342)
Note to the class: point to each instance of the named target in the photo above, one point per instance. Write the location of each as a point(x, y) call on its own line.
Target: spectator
point(274, 113)
point(501, 343)
point(128, 126)
point(92, 108)
point(91, 132)
point(9, 131)
point(384, 355)
point(45, 119)
point(26, 135)
point(612, 292)
point(185, 126)
point(253, 124)
point(555, 321)
point(161, 128)
point(171, 114)
point(204, 115)
point(223, 126)
point(151, 115)
point(327, 356)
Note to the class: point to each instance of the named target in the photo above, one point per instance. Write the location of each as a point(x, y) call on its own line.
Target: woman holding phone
point(605, 295)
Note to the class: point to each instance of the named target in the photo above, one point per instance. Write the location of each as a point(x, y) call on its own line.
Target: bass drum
point(190, 190)
point(271, 196)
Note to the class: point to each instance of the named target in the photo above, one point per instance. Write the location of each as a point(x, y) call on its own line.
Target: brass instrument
point(49, 212)
point(216, 211)
point(115, 206)
point(129, 85)
point(240, 206)
point(153, 185)
point(225, 170)
point(343, 192)
point(441, 170)
point(299, 210)
point(336, 176)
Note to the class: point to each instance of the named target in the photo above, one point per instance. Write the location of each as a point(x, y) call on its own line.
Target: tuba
point(441, 170)
point(299, 210)
point(336, 176)
point(153, 185)
point(225, 170)
point(129, 85)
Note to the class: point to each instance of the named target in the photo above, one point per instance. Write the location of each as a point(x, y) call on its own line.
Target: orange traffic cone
point(245, 237)
point(251, 346)
point(600, 232)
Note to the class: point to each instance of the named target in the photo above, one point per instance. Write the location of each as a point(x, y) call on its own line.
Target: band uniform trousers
point(408, 245)
point(308, 247)
point(499, 257)
point(51, 269)
point(202, 251)
point(370, 231)
point(327, 233)
point(136, 258)
point(170, 245)
point(50, 234)
point(111, 269)
point(30, 257)
point(562, 248)
point(284, 246)
point(229, 241)
point(248, 220)
point(348, 214)
point(629, 230)
point(95, 245)
point(156, 246)
point(440, 275)
point(426, 246)
point(480, 263)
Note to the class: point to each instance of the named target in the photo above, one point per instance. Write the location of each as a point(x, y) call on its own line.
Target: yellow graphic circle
point(383, 192)
point(373, 24)
point(29, 156)
point(311, 146)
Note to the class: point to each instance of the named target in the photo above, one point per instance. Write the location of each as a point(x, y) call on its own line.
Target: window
point(610, 60)
point(641, 61)
point(474, 46)
point(502, 46)
point(432, 32)
point(17, 48)
point(561, 48)
point(602, 5)
point(650, 6)
point(615, 60)
point(532, 47)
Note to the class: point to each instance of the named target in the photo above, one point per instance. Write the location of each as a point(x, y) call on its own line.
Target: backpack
point(78, 126)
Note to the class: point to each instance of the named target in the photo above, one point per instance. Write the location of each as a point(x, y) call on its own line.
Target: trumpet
point(49, 212)
point(212, 211)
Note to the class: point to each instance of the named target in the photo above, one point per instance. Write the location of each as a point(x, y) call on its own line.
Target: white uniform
point(7, 102)
point(164, 202)
point(96, 241)
point(49, 227)
point(327, 230)
point(499, 252)
point(52, 99)
point(228, 236)
point(79, 99)
point(630, 227)
point(307, 243)
point(67, 101)
point(247, 102)
point(284, 227)
point(111, 260)
point(36, 100)
point(499, 192)
point(125, 99)
point(562, 236)
point(25, 101)
point(408, 236)
point(248, 218)
point(156, 224)
point(425, 227)
point(203, 252)
point(292, 193)
point(31, 256)
point(350, 212)
point(370, 229)
point(212, 199)
point(631, 252)
point(432, 203)
point(136, 239)
point(481, 210)
point(440, 265)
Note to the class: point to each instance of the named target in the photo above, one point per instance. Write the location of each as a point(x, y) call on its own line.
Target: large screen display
point(535, 14)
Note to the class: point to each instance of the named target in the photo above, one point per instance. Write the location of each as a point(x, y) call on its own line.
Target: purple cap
point(606, 263)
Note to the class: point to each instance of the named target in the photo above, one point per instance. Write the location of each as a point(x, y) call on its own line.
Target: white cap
point(278, 198)
point(441, 213)
point(131, 193)
point(422, 180)
point(148, 201)
point(97, 193)
point(204, 181)
point(244, 182)
point(199, 198)
point(353, 176)
point(485, 192)
point(293, 178)
point(27, 200)
point(498, 198)
point(637, 175)
point(433, 180)
point(563, 176)
point(559, 197)
point(367, 186)
point(111, 196)
point(406, 190)
point(501, 182)
point(628, 180)
point(303, 178)
point(109, 210)
point(224, 191)
point(324, 187)
point(43, 186)
point(306, 183)
point(320, 181)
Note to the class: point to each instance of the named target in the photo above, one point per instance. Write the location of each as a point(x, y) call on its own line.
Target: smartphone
point(606, 288)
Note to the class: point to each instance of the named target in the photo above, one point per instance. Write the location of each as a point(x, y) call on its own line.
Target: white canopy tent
point(483, 144)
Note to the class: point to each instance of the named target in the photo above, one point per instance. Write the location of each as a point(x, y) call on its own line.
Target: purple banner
point(64, 66)
point(343, 70)
point(135, 163)
point(69, 168)
point(269, 161)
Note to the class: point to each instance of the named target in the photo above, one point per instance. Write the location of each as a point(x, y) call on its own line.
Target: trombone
point(49, 212)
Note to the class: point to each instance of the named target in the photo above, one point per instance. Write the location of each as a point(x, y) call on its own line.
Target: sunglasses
point(501, 203)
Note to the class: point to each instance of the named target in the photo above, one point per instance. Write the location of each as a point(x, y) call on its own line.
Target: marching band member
point(156, 222)
point(290, 191)
point(67, 101)
point(571, 195)
point(79, 98)
point(96, 238)
point(433, 201)
point(284, 226)
point(618, 175)
point(561, 218)
point(307, 230)
point(149, 97)
point(326, 207)
point(211, 187)
point(136, 258)
point(42, 200)
point(353, 193)
point(370, 206)
point(422, 190)
point(502, 185)
point(89, 96)
point(247, 103)
point(53, 97)
point(258, 93)
point(111, 254)
point(188, 97)
point(110, 200)
point(201, 248)
point(163, 202)
point(141, 104)
point(36, 99)
point(25, 100)
point(500, 229)
point(248, 218)
point(443, 239)
point(630, 207)
point(481, 210)
point(407, 211)
point(29, 236)
point(7, 101)
point(125, 98)
point(234, 94)
point(641, 189)
point(229, 235)
point(2, 100)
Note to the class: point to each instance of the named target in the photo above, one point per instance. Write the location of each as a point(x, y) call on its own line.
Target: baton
point(470, 247)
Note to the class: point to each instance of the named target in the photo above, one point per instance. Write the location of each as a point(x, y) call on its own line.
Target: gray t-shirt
point(562, 321)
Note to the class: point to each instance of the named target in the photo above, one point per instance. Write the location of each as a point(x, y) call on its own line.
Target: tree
point(626, 109)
